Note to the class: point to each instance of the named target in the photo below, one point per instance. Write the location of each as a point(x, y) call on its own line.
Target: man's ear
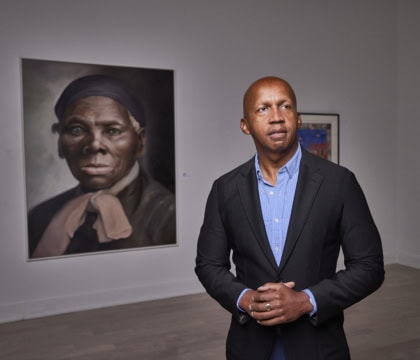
point(244, 126)
point(299, 121)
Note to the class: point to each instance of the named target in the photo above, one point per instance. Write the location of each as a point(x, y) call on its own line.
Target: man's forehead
point(266, 90)
point(272, 84)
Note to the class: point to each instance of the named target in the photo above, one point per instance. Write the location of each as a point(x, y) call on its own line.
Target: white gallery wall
point(340, 56)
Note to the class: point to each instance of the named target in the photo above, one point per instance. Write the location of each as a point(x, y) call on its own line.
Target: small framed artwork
point(319, 135)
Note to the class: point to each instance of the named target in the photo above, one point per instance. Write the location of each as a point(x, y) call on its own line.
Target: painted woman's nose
point(93, 144)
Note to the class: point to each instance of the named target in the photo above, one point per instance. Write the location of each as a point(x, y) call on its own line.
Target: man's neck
point(270, 164)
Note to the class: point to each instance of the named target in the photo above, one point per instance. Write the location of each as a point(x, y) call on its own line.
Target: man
point(116, 204)
point(284, 216)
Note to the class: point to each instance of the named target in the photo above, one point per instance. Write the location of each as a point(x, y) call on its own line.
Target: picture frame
point(319, 134)
point(51, 185)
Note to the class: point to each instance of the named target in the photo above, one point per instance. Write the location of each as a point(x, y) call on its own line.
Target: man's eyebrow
point(263, 103)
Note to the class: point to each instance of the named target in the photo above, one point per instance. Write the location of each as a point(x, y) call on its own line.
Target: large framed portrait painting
point(99, 148)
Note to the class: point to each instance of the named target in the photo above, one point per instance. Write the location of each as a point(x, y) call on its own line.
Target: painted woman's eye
point(113, 131)
point(75, 130)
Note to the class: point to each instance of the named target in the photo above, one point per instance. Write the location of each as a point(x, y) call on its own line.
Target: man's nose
point(277, 114)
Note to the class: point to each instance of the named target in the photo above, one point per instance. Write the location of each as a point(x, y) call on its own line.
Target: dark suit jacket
point(329, 211)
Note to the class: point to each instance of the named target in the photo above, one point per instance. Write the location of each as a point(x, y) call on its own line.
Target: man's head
point(100, 130)
point(270, 116)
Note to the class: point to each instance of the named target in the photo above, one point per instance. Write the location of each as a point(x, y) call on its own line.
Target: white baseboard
point(390, 258)
point(112, 297)
point(408, 260)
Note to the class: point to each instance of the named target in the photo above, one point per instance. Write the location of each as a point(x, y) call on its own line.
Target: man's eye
point(262, 109)
point(286, 106)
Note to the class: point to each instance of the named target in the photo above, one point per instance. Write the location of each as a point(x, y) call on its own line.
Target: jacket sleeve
point(213, 266)
point(363, 257)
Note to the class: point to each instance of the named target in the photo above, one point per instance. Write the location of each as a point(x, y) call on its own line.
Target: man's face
point(98, 141)
point(271, 118)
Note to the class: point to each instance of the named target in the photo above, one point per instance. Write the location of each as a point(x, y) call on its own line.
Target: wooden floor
point(384, 326)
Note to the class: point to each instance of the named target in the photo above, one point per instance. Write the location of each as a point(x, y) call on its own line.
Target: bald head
point(271, 118)
point(259, 84)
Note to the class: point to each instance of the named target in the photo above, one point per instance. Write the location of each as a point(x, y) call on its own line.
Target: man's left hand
point(278, 303)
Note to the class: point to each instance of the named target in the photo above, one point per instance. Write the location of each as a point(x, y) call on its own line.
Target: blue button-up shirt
point(277, 201)
point(276, 205)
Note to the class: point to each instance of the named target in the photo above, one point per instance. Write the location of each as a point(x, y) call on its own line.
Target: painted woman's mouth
point(96, 169)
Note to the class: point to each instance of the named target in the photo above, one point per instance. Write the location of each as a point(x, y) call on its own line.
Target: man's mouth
point(277, 134)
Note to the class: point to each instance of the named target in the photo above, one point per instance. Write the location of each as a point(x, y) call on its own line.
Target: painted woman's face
point(98, 141)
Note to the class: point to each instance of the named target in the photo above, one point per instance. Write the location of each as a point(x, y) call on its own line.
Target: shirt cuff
point(239, 299)
point(312, 301)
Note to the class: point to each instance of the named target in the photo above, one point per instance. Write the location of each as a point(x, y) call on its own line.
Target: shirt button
point(271, 193)
point(276, 220)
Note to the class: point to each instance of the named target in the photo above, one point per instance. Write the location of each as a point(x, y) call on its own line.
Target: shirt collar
point(291, 167)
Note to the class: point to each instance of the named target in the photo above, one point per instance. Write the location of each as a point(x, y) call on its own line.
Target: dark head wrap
point(99, 85)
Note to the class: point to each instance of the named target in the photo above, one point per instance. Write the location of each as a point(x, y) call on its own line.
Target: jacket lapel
point(248, 192)
point(307, 187)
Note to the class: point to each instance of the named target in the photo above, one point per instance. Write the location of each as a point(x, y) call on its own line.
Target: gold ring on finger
point(268, 307)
